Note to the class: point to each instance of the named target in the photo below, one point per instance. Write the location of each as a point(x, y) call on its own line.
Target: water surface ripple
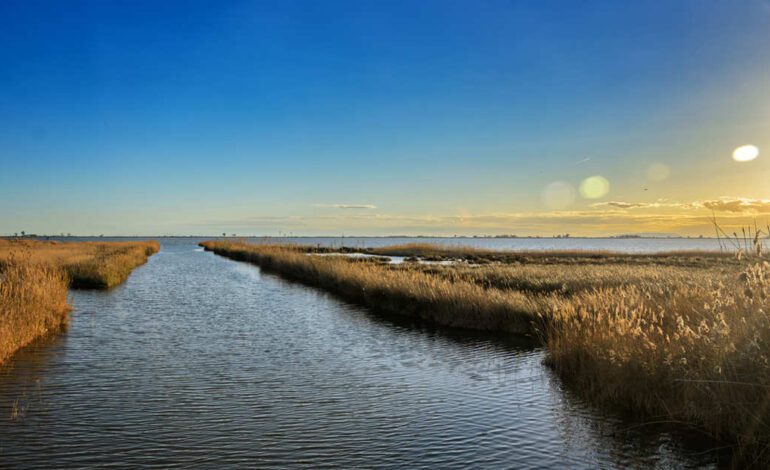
point(199, 361)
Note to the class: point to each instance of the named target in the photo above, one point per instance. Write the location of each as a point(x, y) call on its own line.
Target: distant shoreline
point(442, 237)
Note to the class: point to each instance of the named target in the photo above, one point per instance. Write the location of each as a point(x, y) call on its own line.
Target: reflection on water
point(21, 379)
point(202, 361)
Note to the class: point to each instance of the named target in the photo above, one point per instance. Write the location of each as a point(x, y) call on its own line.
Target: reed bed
point(95, 265)
point(685, 351)
point(33, 302)
point(401, 292)
point(109, 266)
point(679, 337)
point(543, 279)
point(35, 275)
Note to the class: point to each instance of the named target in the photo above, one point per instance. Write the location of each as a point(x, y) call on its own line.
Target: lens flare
point(658, 172)
point(745, 153)
point(558, 195)
point(594, 187)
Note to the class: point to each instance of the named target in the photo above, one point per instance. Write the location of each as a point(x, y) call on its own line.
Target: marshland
point(198, 356)
point(664, 345)
point(669, 337)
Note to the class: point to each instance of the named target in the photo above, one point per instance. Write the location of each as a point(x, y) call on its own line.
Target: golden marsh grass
point(395, 291)
point(35, 275)
point(678, 349)
point(33, 302)
point(98, 265)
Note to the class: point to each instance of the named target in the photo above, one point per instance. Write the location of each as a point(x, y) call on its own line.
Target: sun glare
point(745, 153)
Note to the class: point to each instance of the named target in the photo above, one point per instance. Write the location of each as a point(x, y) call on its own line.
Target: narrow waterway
point(205, 362)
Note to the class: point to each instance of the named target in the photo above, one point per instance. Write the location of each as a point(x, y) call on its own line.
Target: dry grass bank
point(96, 265)
point(33, 302)
point(35, 275)
point(675, 337)
point(395, 291)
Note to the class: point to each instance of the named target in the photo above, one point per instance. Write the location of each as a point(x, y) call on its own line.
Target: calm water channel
point(199, 361)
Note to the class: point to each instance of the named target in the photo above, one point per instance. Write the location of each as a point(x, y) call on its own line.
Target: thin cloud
point(347, 206)
point(660, 204)
point(739, 204)
point(621, 204)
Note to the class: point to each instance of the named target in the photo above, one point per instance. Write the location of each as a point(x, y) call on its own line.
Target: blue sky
point(379, 117)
